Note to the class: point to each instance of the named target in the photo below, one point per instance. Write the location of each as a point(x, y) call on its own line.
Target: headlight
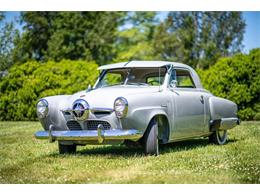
point(121, 107)
point(42, 108)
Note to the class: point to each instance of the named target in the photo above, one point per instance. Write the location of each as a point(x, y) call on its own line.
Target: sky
point(251, 36)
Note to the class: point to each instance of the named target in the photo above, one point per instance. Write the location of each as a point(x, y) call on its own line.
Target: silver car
point(148, 102)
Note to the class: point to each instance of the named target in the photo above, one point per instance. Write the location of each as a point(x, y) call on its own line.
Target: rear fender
point(223, 114)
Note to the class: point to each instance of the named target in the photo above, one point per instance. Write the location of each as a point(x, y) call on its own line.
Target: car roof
point(141, 64)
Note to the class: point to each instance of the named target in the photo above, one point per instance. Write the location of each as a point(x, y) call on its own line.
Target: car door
point(188, 104)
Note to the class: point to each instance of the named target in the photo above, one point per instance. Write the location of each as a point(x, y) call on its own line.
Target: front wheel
point(151, 144)
point(218, 137)
point(67, 149)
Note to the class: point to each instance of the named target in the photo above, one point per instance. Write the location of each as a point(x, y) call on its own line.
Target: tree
point(134, 39)
point(195, 38)
point(199, 38)
point(7, 36)
point(68, 35)
point(33, 44)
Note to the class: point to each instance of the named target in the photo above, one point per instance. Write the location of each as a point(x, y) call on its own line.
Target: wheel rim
point(222, 136)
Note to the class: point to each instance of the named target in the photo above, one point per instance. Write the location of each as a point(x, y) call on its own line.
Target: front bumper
point(98, 135)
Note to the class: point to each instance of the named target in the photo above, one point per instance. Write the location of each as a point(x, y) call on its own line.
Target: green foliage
point(68, 35)
point(135, 42)
point(238, 79)
point(28, 82)
point(198, 38)
point(8, 33)
point(194, 38)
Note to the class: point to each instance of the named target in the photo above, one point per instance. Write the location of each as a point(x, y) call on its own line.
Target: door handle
point(202, 99)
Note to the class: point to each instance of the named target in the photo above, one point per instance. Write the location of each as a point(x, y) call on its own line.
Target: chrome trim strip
point(67, 110)
point(86, 135)
point(95, 109)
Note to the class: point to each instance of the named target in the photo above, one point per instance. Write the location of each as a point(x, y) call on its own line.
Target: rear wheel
point(218, 137)
point(151, 144)
point(67, 149)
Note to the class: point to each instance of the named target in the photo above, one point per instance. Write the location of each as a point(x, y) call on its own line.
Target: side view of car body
point(150, 102)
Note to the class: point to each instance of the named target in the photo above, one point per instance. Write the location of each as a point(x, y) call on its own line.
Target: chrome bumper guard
point(90, 135)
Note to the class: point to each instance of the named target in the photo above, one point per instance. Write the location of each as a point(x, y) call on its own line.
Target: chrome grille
point(74, 125)
point(93, 124)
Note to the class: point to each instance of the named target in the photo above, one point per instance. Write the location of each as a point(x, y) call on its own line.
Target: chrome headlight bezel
point(42, 108)
point(120, 107)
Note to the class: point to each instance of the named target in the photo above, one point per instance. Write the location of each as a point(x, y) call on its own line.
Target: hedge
point(237, 78)
point(25, 84)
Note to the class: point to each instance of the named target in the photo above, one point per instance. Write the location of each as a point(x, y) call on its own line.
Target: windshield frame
point(129, 70)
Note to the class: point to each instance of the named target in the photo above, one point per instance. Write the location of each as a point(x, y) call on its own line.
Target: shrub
point(237, 78)
point(26, 83)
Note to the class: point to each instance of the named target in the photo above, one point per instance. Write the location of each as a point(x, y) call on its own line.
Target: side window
point(184, 79)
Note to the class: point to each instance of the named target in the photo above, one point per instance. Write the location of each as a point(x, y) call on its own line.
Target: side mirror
point(173, 84)
point(89, 88)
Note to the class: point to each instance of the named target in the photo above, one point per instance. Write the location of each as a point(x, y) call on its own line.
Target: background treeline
point(58, 52)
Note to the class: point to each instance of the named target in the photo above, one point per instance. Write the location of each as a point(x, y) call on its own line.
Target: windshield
point(132, 76)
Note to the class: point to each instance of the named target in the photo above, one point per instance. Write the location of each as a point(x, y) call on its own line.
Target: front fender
point(140, 118)
point(54, 116)
point(142, 108)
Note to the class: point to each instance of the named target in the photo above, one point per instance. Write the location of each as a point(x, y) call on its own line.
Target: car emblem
point(80, 109)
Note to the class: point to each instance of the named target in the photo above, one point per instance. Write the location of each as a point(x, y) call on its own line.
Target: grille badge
point(80, 109)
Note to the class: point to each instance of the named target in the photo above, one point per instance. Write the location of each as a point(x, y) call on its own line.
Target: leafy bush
point(237, 78)
point(28, 82)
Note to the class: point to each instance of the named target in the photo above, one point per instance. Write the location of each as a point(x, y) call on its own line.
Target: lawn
point(27, 160)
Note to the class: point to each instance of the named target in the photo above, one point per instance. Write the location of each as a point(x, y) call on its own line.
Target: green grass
point(23, 159)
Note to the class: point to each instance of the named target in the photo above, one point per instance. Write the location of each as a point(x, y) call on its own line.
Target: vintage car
point(147, 102)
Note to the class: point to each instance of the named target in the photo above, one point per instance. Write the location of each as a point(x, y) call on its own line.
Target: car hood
point(105, 97)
